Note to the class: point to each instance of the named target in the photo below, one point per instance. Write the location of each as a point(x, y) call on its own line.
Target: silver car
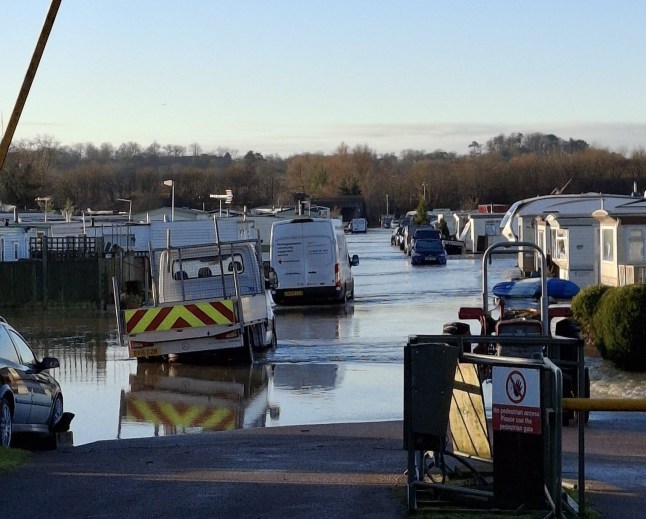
point(31, 400)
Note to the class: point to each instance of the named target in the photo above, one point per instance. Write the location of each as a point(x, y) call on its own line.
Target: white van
point(311, 261)
point(358, 225)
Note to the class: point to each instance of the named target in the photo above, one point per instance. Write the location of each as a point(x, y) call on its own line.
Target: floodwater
point(332, 364)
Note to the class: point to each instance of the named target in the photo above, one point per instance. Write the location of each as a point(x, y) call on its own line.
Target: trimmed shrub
point(585, 303)
point(619, 327)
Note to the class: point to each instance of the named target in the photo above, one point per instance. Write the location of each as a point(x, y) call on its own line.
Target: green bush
point(619, 327)
point(585, 303)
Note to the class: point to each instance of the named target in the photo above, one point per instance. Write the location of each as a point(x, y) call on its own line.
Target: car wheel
point(5, 423)
point(57, 413)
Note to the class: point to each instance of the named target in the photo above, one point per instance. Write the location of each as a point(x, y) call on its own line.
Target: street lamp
point(424, 188)
point(129, 206)
point(172, 210)
point(387, 205)
point(45, 199)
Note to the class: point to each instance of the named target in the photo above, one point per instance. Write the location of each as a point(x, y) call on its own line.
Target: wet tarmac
point(335, 470)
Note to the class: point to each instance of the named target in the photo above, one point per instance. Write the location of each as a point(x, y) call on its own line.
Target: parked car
point(31, 400)
point(397, 236)
point(425, 232)
point(428, 250)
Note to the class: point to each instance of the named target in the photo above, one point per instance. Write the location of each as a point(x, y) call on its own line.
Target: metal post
point(580, 418)
point(171, 183)
point(129, 207)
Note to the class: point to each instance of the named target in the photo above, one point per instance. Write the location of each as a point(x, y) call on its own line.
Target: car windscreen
point(429, 244)
point(427, 233)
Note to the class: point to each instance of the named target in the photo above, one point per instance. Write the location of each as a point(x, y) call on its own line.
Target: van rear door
point(319, 259)
point(288, 262)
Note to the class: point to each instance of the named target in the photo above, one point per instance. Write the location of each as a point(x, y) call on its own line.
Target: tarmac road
point(335, 471)
point(615, 463)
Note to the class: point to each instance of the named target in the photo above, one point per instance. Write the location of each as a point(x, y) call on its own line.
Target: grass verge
point(12, 458)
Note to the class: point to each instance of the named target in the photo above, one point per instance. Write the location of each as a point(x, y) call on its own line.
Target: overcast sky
point(284, 77)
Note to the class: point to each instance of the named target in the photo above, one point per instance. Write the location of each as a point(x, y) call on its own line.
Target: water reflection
point(314, 322)
point(307, 377)
point(181, 399)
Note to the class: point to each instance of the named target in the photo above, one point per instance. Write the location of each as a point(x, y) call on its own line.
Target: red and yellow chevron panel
point(164, 318)
point(180, 415)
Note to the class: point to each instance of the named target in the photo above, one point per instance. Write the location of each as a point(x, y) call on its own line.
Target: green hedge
point(585, 303)
point(616, 318)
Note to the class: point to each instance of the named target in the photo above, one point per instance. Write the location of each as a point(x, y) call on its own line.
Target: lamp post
point(424, 188)
point(171, 183)
point(45, 199)
point(387, 205)
point(129, 206)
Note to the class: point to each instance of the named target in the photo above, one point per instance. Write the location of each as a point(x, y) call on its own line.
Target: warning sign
point(516, 400)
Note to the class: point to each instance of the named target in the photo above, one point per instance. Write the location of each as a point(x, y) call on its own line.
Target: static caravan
point(14, 242)
point(622, 237)
point(481, 231)
point(572, 242)
point(518, 224)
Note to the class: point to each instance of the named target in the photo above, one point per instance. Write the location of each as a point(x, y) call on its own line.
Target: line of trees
point(504, 169)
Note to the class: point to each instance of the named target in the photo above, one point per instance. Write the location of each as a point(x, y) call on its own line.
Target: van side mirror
point(271, 281)
point(354, 261)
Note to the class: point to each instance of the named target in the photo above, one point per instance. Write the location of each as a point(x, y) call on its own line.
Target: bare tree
point(195, 149)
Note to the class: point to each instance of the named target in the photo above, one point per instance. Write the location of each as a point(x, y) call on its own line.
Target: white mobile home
point(622, 237)
point(572, 242)
point(14, 242)
point(481, 231)
point(518, 223)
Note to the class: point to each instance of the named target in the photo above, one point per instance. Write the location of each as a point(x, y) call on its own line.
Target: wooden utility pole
point(29, 78)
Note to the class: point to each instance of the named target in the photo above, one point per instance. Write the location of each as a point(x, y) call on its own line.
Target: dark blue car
point(428, 250)
point(31, 400)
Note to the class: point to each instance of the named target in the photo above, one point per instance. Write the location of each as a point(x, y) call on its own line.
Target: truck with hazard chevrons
point(205, 299)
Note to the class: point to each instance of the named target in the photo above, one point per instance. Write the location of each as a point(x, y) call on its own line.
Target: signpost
point(518, 461)
point(516, 400)
point(227, 197)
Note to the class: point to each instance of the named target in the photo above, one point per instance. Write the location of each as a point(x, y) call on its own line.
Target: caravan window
point(492, 229)
point(191, 268)
point(635, 245)
point(607, 245)
point(560, 244)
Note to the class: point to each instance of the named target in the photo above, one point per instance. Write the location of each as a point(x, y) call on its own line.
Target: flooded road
point(340, 364)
